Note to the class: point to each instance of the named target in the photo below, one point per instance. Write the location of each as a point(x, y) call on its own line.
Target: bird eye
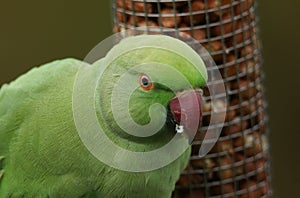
point(145, 82)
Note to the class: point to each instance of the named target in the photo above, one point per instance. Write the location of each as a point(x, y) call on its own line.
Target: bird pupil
point(145, 81)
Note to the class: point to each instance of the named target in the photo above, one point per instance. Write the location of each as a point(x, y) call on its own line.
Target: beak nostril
point(199, 91)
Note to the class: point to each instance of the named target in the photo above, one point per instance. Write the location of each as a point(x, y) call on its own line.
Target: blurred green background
point(36, 32)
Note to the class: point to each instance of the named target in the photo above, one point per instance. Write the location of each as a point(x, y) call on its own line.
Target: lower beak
point(187, 112)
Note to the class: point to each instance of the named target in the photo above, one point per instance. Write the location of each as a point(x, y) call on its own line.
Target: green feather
point(1, 174)
point(1, 167)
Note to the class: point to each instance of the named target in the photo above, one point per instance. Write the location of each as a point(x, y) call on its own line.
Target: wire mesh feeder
point(238, 165)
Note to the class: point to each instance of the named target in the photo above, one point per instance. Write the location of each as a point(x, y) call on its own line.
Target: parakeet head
point(151, 90)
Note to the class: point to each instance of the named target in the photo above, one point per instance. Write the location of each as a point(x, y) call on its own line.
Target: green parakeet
point(47, 150)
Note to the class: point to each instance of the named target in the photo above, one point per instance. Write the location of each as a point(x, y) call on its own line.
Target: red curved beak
point(187, 112)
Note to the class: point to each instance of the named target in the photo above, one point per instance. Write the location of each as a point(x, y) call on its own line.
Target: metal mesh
point(238, 165)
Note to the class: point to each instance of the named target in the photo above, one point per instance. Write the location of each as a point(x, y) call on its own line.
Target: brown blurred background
point(36, 32)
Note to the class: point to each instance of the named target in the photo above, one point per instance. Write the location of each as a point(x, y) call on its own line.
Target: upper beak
point(187, 113)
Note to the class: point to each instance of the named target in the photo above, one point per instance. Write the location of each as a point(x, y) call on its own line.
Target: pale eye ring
point(145, 82)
